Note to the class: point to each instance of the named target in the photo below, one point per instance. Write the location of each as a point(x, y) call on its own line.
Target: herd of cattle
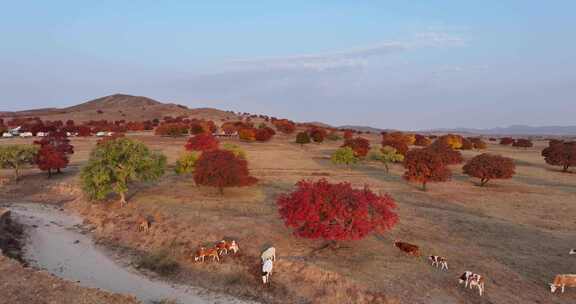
point(268, 257)
point(474, 280)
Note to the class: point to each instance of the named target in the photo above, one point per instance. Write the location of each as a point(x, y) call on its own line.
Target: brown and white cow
point(438, 261)
point(563, 281)
point(408, 248)
point(144, 226)
point(224, 247)
point(472, 280)
point(204, 252)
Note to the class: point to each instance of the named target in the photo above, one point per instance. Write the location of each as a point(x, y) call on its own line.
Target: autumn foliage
point(284, 125)
point(522, 143)
point(424, 166)
point(452, 140)
point(448, 155)
point(421, 140)
point(317, 134)
point(489, 166)
point(202, 142)
point(505, 141)
point(560, 153)
point(264, 134)
point(302, 138)
point(336, 212)
point(53, 152)
point(247, 134)
point(221, 169)
point(172, 129)
point(359, 145)
point(396, 140)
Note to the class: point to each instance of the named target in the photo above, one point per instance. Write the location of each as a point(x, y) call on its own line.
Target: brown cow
point(563, 280)
point(144, 226)
point(408, 248)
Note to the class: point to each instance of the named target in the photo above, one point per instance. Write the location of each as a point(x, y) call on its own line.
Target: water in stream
point(55, 244)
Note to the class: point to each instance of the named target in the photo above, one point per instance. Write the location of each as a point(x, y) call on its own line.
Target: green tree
point(238, 152)
point(390, 155)
point(115, 163)
point(302, 138)
point(344, 156)
point(17, 157)
point(186, 163)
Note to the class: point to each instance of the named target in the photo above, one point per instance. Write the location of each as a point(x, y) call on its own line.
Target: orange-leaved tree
point(424, 166)
point(221, 169)
point(359, 145)
point(202, 142)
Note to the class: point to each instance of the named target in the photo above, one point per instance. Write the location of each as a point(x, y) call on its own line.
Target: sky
point(408, 65)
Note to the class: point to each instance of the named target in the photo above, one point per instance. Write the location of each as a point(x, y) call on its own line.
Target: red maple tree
point(359, 145)
point(448, 155)
point(317, 134)
point(264, 134)
point(49, 158)
point(489, 166)
point(202, 142)
point(336, 212)
point(424, 166)
point(506, 141)
point(522, 143)
point(222, 168)
point(560, 153)
point(421, 140)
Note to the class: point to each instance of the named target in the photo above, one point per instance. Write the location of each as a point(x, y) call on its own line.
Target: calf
point(472, 280)
point(408, 248)
point(224, 247)
point(267, 271)
point(439, 261)
point(563, 280)
point(268, 254)
point(144, 226)
point(204, 252)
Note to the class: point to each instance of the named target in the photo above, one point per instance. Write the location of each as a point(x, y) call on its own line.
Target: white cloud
point(353, 58)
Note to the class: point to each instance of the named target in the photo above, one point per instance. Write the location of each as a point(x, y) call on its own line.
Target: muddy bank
point(57, 243)
point(10, 236)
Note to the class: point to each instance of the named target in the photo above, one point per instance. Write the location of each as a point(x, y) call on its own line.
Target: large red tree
point(336, 212)
point(489, 166)
point(49, 158)
point(221, 169)
point(424, 166)
point(359, 145)
point(448, 155)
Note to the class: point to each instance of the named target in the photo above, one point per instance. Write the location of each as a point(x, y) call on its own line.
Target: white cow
point(267, 267)
point(42, 134)
point(573, 251)
point(269, 254)
point(6, 134)
point(26, 134)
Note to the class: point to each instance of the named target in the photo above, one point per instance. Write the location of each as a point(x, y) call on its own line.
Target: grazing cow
point(232, 246)
point(221, 247)
point(267, 271)
point(573, 251)
point(439, 261)
point(472, 280)
point(145, 226)
point(563, 280)
point(408, 248)
point(269, 254)
point(204, 252)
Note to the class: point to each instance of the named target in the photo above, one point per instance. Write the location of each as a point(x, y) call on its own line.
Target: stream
point(55, 243)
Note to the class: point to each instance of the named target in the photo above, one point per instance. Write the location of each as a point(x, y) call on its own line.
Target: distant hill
point(119, 107)
point(363, 128)
point(515, 130)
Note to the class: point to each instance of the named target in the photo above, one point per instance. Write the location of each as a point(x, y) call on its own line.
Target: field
point(515, 232)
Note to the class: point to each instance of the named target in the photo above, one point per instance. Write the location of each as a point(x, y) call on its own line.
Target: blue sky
point(390, 64)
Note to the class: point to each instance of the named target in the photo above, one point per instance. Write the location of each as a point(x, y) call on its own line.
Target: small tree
point(247, 134)
point(390, 155)
point(264, 134)
point(302, 138)
point(17, 157)
point(523, 143)
point(344, 156)
point(560, 154)
point(424, 166)
point(506, 141)
point(488, 166)
point(48, 159)
point(336, 212)
point(114, 164)
point(221, 168)
point(317, 134)
point(452, 140)
point(202, 142)
point(186, 163)
point(359, 145)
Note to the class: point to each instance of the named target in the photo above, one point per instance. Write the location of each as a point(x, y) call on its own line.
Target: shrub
point(173, 129)
point(448, 155)
point(452, 140)
point(264, 134)
point(186, 163)
point(359, 145)
point(48, 159)
point(488, 166)
point(202, 142)
point(285, 126)
point(333, 136)
point(560, 154)
point(336, 212)
point(424, 166)
point(317, 134)
point(114, 164)
point(235, 149)
point(421, 140)
point(221, 168)
point(302, 138)
point(17, 158)
point(159, 262)
point(477, 143)
point(247, 134)
point(344, 156)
